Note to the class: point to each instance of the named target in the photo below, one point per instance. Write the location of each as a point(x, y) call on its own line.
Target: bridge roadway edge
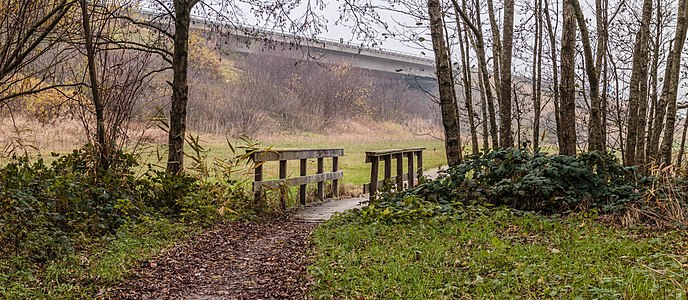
point(322, 212)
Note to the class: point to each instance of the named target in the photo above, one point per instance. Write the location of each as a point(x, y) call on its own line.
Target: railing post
point(411, 170)
point(321, 191)
point(374, 160)
point(302, 188)
point(388, 167)
point(283, 189)
point(335, 183)
point(419, 154)
point(400, 171)
point(258, 178)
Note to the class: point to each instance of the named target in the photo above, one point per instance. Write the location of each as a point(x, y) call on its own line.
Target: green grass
point(501, 256)
point(356, 170)
point(99, 265)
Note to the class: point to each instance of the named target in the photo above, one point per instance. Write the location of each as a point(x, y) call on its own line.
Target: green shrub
point(46, 211)
point(518, 179)
point(44, 208)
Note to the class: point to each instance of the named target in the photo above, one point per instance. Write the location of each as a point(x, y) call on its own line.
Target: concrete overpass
point(417, 70)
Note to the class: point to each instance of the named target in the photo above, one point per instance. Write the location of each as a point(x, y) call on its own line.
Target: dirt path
point(233, 261)
point(264, 260)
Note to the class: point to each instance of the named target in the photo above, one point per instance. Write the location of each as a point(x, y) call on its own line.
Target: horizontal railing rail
point(302, 155)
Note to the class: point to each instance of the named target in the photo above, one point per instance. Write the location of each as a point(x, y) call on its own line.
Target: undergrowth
point(519, 179)
point(69, 228)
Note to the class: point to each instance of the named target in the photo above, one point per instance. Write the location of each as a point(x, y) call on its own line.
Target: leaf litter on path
point(240, 260)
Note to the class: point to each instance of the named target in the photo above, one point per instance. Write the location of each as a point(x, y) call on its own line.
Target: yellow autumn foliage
point(43, 105)
point(204, 56)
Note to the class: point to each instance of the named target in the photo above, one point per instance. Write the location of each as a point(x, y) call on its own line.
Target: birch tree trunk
point(537, 75)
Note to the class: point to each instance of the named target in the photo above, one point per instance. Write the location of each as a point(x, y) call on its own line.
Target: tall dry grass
point(665, 200)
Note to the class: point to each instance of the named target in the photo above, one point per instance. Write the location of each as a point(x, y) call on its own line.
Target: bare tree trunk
point(483, 98)
point(654, 79)
point(101, 143)
point(505, 138)
point(672, 77)
point(180, 86)
point(519, 118)
point(555, 76)
point(595, 137)
point(482, 64)
point(537, 75)
point(619, 113)
point(496, 49)
point(568, 82)
point(448, 105)
point(467, 84)
point(602, 7)
point(483, 108)
point(638, 85)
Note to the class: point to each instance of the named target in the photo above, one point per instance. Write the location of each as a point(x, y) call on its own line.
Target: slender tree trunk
point(537, 75)
point(595, 137)
point(454, 83)
point(568, 82)
point(496, 49)
point(638, 86)
point(483, 98)
point(180, 86)
point(101, 143)
point(654, 79)
point(467, 79)
point(602, 8)
point(555, 75)
point(505, 138)
point(619, 113)
point(672, 77)
point(448, 106)
point(519, 118)
point(482, 64)
point(467, 83)
point(483, 109)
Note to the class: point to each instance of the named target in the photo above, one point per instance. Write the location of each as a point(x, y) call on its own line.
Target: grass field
point(501, 256)
point(356, 170)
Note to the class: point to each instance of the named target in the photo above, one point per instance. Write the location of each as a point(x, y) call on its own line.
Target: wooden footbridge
point(407, 163)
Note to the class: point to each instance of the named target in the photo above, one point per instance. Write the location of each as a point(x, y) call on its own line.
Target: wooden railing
point(261, 157)
point(414, 169)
